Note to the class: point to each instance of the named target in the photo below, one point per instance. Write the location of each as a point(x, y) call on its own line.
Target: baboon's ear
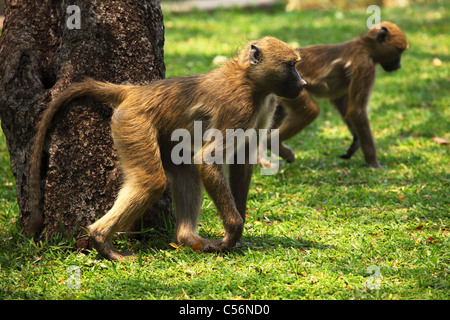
point(255, 56)
point(382, 34)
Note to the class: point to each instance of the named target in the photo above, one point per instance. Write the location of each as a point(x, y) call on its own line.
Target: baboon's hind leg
point(144, 184)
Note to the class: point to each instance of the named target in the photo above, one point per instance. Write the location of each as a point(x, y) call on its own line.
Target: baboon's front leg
point(341, 105)
point(361, 126)
point(216, 185)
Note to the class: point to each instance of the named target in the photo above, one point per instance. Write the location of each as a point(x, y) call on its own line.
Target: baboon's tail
point(102, 91)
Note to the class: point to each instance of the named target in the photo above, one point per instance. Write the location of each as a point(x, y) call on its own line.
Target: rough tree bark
point(120, 42)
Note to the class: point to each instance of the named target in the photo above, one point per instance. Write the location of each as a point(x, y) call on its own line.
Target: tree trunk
point(42, 51)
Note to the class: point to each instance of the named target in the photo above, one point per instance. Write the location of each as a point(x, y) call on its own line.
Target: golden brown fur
point(345, 74)
point(238, 95)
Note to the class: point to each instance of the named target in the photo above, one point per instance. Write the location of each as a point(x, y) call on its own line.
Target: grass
point(315, 228)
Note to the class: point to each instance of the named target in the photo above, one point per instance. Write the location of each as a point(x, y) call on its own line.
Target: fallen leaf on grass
point(197, 247)
point(431, 240)
point(185, 294)
point(176, 246)
point(83, 243)
point(440, 140)
point(194, 273)
point(89, 262)
point(437, 62)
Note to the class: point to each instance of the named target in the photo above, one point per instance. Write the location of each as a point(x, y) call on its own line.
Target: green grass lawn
point(314, 229)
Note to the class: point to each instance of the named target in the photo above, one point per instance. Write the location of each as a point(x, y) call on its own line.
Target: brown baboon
point(345, 74)
point(239, 95)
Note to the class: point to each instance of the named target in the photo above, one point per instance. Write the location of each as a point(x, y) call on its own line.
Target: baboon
point(242, 94)
point(345, 74)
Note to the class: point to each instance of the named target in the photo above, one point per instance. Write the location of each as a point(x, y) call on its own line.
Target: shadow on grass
point(250, 242)
point(269, 242)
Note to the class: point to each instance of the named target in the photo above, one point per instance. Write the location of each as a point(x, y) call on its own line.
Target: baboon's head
point(271, 65)
point(388, 42)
